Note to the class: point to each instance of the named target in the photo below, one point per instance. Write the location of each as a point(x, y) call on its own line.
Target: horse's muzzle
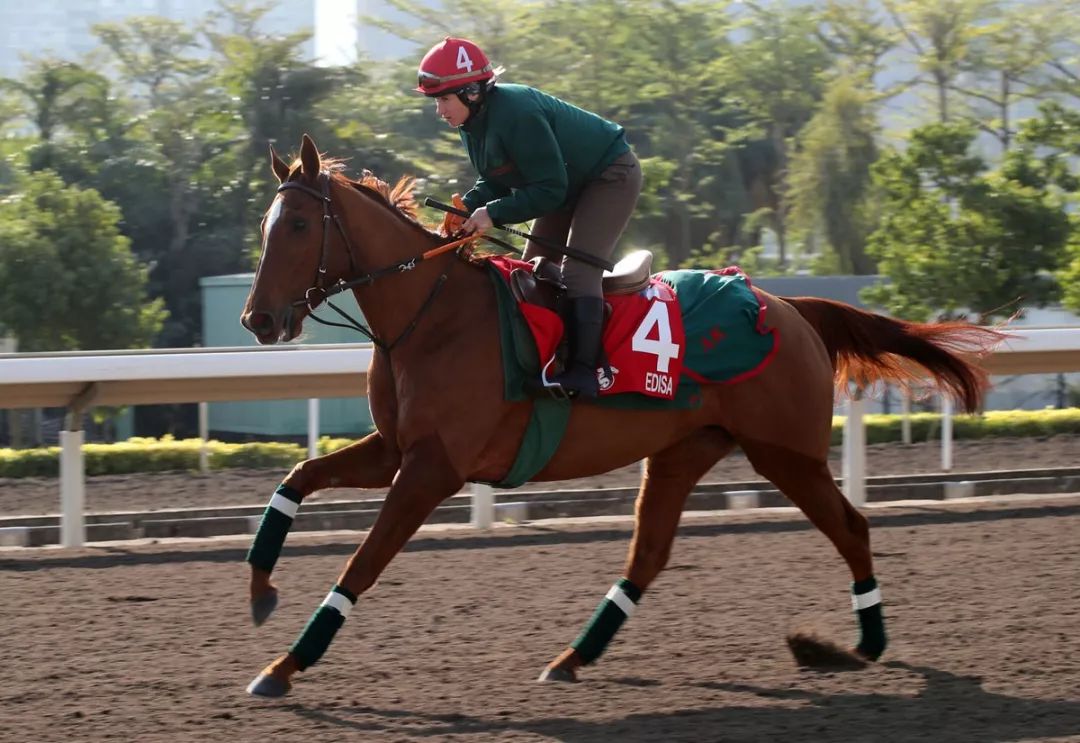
point(268, 327)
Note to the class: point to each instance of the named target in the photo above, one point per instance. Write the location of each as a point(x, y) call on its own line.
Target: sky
point(335, 31)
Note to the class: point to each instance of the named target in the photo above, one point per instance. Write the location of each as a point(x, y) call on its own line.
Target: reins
point(320, 293)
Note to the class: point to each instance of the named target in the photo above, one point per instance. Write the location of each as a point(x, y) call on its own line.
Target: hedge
point(883, 429)
point(169, 454)
point(160, 455)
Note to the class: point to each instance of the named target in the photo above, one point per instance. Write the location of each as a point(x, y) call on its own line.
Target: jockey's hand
point(479, 222)
point(451, 223)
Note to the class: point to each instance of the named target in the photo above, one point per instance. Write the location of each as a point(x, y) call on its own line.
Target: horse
point(435, 388)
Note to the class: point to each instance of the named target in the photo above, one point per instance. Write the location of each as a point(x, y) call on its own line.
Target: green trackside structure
point(222, 301)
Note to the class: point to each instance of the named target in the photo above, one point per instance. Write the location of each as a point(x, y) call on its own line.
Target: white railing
point(1032, 350)
point(79, 381)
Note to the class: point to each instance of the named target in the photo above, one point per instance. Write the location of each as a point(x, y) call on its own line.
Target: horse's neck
point(396, 300)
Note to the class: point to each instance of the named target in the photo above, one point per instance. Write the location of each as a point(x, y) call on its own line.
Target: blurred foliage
point(758, 125)
point(143, 454)
point(885, 429)
point(62, 243)
point(830, 178)
point(956, 238)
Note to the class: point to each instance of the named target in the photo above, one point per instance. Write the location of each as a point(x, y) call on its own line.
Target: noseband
point(319, 291)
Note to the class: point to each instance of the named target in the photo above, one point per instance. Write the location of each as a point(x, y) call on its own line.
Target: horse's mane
point(399, 198)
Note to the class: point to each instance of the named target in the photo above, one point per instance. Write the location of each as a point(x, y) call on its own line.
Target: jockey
point(540, 158)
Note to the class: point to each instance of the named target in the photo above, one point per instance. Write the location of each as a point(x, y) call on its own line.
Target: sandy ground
point(153, 643)
point(243, 487)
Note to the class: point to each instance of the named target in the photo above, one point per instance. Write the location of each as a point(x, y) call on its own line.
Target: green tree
point(59, 98)
point(1069, 274)
point(830, 177)
point(778, 74)
point(1056, 132)
point(1061, 26)
point(956, 238)
point(940, 34)
point(855, 32)
point(68, 279)
point(200, 105)
point(271, 96)
point(1008, 64)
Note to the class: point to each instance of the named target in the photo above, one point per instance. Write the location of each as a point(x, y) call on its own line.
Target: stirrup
point(553, 388)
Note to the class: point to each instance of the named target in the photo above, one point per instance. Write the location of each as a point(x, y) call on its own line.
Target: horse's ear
point(309, 157)
point(281, 169)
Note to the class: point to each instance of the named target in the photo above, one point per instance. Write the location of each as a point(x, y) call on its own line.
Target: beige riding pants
point(592, 224)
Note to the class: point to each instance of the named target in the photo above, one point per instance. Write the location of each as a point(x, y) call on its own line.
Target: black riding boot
point(585, 330)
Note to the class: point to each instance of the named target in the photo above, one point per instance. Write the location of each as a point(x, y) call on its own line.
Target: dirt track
point(153, 643)
point(243, 487)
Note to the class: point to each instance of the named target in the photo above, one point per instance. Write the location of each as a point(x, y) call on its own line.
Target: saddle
point(543, 285)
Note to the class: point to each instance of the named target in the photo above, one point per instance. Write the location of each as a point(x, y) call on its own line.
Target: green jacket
point(534, 152)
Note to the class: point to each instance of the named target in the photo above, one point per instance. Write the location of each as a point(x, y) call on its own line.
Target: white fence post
point(946, 433)
point(313, 427)
point(483, 506)
point(854, 466)
point(204, 435)
point(905, 415)
point(72, 493)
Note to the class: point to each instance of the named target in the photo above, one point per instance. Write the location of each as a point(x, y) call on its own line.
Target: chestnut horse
point(435, 387)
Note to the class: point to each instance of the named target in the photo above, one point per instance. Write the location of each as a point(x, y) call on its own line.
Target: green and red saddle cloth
point(686, 328)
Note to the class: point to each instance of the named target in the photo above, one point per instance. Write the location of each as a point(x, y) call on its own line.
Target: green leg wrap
point(322, 627)
point(275, 524)
point(606, 620)
point(866, 600)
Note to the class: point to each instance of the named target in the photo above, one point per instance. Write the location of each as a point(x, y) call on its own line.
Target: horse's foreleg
point(369, 463)
point(670, 475)
point(426, 478)
point(810, 486)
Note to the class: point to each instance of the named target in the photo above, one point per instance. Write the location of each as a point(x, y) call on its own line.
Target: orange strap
point(452, 245)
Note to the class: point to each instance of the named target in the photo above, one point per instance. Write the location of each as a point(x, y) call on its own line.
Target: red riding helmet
point(452, 64)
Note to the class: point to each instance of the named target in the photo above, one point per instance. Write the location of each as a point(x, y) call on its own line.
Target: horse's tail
point(866, 348)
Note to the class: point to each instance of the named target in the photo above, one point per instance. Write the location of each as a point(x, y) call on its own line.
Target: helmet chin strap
point(478, 90)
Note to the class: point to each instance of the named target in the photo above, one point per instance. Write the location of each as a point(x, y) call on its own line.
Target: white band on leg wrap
point(866, 600)
point(280, 503)
point(338, 601)
point(621, 600)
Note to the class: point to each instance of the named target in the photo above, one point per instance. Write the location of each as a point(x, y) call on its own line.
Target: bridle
point(319, 292)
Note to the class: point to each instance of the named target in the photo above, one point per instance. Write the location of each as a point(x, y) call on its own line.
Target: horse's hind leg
point(810, 486)
point(369, 463)
point(670, 475)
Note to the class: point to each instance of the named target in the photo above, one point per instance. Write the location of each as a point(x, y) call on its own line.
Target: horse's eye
point(299, 225)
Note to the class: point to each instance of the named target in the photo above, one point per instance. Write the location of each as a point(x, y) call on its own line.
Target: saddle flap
point(630, 275)
point(541, 286)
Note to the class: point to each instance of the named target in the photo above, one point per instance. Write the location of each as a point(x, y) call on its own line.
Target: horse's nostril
point(260, 323)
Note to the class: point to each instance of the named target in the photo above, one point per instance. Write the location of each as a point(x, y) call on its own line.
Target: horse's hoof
point(266, 685)
point(263, 607)
point(557, 674)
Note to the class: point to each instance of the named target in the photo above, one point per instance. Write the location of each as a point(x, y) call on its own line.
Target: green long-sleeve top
point(534, 152)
